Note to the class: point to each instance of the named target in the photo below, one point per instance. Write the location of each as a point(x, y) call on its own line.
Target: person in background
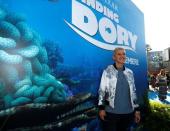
point(148, 79)
point(168, 80)
point(117, 95)
point(162, 85)
point(153, 82)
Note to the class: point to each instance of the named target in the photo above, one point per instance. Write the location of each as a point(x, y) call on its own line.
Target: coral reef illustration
point(54, 53)
point(24, 69)
point(31, 98)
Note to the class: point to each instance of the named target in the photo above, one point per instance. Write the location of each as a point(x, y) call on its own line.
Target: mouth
point(122, 59)
point(37, 117)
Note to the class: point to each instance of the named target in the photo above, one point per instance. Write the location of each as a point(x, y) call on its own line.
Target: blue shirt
point(122, 96)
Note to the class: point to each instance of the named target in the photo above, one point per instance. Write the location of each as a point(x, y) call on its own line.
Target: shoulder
point(128, 70)
point(110, 68)
point(110, 71)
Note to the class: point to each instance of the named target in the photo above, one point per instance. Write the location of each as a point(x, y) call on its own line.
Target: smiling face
point(119, 56)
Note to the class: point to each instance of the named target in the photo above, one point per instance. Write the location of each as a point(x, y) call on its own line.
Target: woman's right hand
point(102, 114)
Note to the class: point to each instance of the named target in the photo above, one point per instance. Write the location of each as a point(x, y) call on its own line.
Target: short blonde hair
point(116, 49)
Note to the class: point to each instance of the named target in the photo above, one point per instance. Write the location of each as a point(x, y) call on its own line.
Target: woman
point(117, 95)
point(162, 84)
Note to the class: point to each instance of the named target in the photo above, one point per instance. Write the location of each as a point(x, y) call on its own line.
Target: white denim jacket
point(108, 86)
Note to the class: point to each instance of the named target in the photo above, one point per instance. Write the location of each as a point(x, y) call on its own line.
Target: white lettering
point(99, 7)
point(132, 61)
point(133, 39)
point(102, 9)
point(88, 25)
point(84, 18)
point(107, 30)
point(123, 35)
point(91, 3)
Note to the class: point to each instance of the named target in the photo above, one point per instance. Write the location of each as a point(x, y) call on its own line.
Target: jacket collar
point(116, 67)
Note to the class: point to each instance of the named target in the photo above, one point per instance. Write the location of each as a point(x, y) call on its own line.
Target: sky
point(157, 22)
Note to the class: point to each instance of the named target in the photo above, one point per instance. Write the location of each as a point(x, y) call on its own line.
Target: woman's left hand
point(137, 116)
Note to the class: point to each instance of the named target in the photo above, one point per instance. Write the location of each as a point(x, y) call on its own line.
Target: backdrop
point(52, 54)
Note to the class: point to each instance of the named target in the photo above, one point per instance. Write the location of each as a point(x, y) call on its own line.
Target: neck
point(119, 65)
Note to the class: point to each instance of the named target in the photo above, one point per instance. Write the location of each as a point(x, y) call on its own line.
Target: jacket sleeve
point(102, 91)
point(135, 98)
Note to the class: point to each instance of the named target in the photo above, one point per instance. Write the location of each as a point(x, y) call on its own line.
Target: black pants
point(117, 122)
